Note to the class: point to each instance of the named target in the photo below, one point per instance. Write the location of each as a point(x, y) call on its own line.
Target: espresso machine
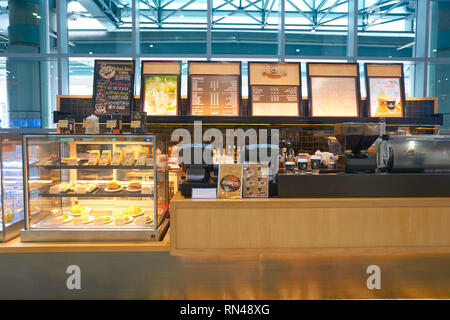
point(414, 154)
point(355, 139)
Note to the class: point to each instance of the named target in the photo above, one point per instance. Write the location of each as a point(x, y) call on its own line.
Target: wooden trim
point(16, 246)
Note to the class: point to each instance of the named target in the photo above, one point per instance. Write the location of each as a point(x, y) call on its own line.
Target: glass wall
point(47, 47)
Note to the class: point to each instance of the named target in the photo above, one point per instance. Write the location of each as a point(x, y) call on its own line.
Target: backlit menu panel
point(275, 100)
point(274, 89)
point(214, 95)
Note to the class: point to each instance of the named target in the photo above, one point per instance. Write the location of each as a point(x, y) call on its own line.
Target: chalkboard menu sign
point(274, 89)
point(113, 87)
point(214, 88)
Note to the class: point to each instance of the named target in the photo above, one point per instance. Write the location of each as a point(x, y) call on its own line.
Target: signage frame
point(402, 87)
point(142, 91)
point(357, 87)
point(131, 93)
point(299, 88)
point(239, 107)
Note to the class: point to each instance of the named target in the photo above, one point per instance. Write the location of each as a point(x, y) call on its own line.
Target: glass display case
point(95, 187)
point(12, 213)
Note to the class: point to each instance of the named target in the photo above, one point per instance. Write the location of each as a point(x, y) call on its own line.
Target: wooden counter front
point(280, 223)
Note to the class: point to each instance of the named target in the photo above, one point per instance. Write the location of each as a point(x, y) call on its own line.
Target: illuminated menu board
point(214, 88)
point(333, 89)
point(113, 87)
point(160, 88)
point(385, 89)
point(274, 89)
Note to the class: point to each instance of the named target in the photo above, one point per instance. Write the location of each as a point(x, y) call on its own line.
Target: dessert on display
point(113, 186)
point(134, 186)
point(133, 211)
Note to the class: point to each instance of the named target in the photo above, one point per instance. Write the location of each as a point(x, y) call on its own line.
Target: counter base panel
point(309, 223)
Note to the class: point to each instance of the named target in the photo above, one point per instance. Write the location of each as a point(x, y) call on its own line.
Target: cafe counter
point(303, 223)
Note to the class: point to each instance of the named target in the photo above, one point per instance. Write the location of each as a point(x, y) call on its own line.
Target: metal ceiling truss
point(259, 14)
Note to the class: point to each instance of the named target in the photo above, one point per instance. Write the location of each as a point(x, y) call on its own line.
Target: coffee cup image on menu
point(391, 104)
point(382, 102)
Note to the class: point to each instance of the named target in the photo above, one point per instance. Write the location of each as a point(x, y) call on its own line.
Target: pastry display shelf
point(97, 167)
point(99, 194)
point(47, 175)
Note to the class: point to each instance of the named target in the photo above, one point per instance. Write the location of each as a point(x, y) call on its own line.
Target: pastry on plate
point(77, 209)
point(83, 188)
point(133, 211)
point(123, 220)
point(61, 188)
point(144, 220)
point(113, 186)
point(107, 219)
point(134, 185)
point(87, 219)
point(65, 218)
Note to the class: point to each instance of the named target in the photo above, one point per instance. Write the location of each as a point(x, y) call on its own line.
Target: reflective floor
point(158, 275)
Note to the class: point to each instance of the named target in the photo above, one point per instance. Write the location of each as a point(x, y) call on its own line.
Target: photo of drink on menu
point(385, 97)
point(161, 95)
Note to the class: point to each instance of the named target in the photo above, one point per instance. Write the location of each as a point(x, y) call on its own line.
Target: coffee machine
point(355, 139)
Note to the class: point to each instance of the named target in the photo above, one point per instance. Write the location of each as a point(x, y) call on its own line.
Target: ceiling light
point(151, 46)
point(434, 50)
point(297, 50)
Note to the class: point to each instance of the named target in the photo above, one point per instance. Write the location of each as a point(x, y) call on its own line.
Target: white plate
point(91, 218)
point(147, 222)
point(134, 215)
point(130, 219)
point(69, 218)
point(139, 190)
point(108, 222)
point(77, 215)
point(117, 190)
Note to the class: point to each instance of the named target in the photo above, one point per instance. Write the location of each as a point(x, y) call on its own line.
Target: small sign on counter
point(204, 193)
